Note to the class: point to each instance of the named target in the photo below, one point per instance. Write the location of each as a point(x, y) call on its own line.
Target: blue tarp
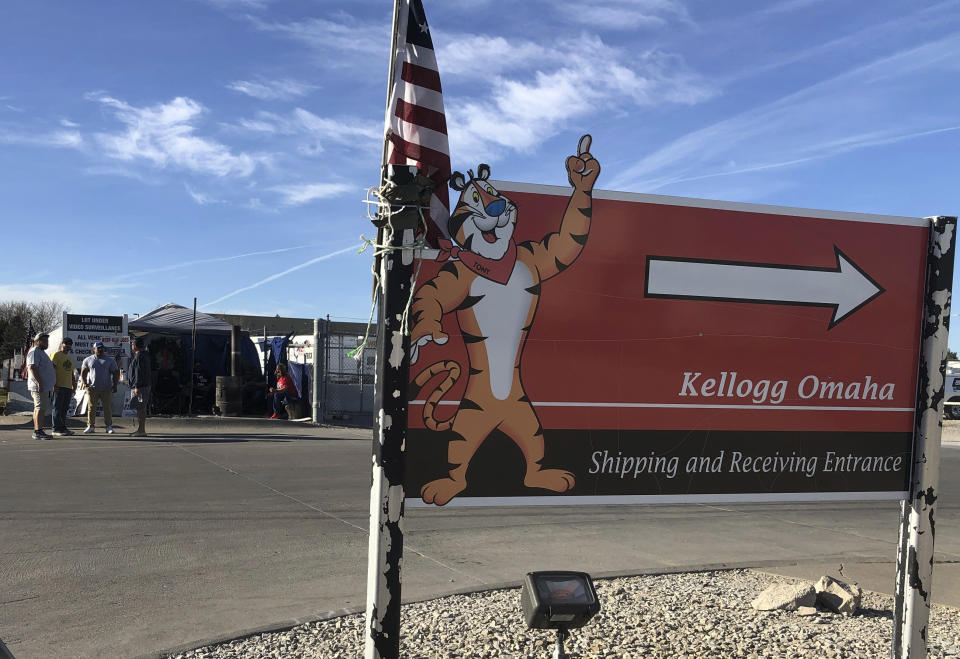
point(301, 376)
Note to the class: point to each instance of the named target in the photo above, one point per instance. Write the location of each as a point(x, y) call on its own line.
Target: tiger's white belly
point(501, 315)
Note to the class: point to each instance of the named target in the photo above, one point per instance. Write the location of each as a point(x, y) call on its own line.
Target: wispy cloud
point(864, 107)
point(283, 273)
point(787, 6)
point(457, 56)
point(622, 14)
point(216, 259)
point(272, 90)
point(164, 135)
point(9, 106)
point(523, 91)
point(348, 38)
point(304, 193)
point(345, 130)
point(239, 4)
point(113, 169)
point(586, 76)
point(87, 295)
point(940, 15)
point(201, 198)
point(69, 139)
point(314, 132)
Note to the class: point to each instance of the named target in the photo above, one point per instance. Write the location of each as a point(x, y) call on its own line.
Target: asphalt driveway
point(115, 547)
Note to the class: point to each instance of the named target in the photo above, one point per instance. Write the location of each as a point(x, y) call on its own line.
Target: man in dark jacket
point(140, 380)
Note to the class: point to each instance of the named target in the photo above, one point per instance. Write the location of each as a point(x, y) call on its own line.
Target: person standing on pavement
point(140, 380)
point(65, 387)
point(41, 378)
point(100, 374)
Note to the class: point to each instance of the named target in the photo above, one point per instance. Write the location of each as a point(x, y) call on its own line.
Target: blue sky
point(153, 152)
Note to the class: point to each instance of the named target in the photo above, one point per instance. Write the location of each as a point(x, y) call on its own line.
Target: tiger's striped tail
point(452, 369)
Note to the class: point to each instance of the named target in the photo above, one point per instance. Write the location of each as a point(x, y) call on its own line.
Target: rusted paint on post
point(390, 421)
point(917, 524)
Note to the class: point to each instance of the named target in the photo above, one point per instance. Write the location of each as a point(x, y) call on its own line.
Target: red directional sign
point(643, 348)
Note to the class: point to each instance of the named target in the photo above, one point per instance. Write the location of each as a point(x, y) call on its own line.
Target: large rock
point(838, 596)
point(786, 597)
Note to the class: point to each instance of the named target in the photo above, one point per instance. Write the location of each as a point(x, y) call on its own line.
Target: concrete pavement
point(115, 547)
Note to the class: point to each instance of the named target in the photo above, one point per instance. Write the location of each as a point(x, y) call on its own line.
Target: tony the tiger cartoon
point(493, 286)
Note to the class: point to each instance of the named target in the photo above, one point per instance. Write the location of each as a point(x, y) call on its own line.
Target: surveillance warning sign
point(579, 346)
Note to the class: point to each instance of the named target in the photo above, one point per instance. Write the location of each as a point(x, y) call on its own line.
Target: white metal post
point(917, 526)
point(396, 277)
point(316, 371)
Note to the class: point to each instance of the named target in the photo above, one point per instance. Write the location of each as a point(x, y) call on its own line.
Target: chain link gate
point(346, 383)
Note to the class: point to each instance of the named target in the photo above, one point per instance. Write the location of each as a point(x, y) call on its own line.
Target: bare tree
point(47, 314)
point(20, 321)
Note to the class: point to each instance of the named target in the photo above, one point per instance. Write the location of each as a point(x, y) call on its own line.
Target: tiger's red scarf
point(498, 270)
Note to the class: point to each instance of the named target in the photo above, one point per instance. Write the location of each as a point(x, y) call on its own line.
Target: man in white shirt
point(100, 374)
point(41, 377)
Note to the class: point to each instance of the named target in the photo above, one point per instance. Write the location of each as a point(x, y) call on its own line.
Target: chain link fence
point(346, 383)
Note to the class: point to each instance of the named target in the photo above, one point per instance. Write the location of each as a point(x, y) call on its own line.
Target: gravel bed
point(704, 614)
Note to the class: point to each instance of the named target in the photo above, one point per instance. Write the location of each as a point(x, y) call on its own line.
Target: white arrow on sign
point(845, 288)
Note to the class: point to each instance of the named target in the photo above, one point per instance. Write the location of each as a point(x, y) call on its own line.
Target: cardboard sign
point(675, 350)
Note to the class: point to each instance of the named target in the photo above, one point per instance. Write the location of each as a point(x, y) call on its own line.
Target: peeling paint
point(383, 593)
point(899, 601)
point(916, 583)
point(396, 349)
point(373, 619)
point(395, 505)
point(945, 241)
point(929, 499)
point(407, 254)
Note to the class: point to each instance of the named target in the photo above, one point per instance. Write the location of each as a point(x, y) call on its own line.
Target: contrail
point(215, 259)
point(286, 272)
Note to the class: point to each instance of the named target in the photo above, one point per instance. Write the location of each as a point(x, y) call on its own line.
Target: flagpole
point(391, 75)
point(390, 83)
point(394, 269)
point(419, 150)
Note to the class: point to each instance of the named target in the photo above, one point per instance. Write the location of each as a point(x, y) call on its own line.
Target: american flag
point(416, 124)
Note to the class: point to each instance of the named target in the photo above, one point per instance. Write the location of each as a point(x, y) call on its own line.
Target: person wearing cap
point(65, 386)
point(139, 378)
point(41, 378)
point(100, 374)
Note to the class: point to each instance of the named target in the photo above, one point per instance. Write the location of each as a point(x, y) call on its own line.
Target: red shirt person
point(285, 392)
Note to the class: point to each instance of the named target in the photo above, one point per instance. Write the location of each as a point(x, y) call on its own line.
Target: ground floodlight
point(558, 600)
